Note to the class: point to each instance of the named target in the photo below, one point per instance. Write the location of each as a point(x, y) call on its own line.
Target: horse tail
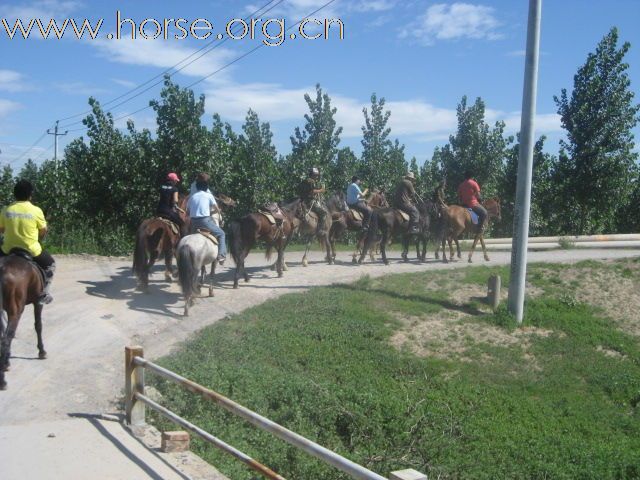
point(235, 240)
point(269, 252)
point(140, 252)
point(187, 274)
point(3, 314)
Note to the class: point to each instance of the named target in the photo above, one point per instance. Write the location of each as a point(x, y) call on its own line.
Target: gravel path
point(97, 312)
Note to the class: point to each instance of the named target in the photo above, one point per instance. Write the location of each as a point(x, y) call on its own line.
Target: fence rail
point(136, 400)
point(624, 240)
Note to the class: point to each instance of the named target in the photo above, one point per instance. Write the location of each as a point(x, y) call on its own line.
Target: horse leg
point(187, 303)
point(383, 247)
point(473, 246)
point(37, 312)
point(406, 240)
point(484, 248)
point(280, 260)
point(305, 263)
point(168, 272)
point(458, 247)
point(327, 247)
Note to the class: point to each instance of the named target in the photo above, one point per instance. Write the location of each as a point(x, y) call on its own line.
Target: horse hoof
point(3, 386)
point(186, 313)
point(486, 259)
point(354, 260)
point(235, 286)
point(280, 275)
point(168, 278)
point(42, 355)
point(470, 261)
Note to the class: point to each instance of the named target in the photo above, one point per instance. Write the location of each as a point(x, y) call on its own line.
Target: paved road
point(97, 311)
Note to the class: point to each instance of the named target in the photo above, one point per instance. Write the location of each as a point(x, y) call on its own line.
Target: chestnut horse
point(456, 221)
point(254, 227)
point(344, 221)
point(21, 284)
point(155, 237)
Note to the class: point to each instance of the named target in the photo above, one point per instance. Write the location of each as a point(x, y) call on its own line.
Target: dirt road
point(97, 311)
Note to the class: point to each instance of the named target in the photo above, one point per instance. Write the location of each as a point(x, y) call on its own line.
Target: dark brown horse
point(154, 238)
point(254, 227)
point(346, 221)
point(21, 284)
point(390, 223)
point(456, 221)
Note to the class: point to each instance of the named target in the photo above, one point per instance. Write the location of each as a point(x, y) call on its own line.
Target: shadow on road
point(94, 420)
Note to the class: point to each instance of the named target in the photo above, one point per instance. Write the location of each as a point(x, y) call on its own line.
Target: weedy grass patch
point(563, 404)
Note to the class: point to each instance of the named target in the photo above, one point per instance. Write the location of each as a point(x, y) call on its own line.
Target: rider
point(439, 196)
point(404, 200)
point(168, 204)
point(201, 177)
point(469, 194)
point(199, 209)
point(355, 200)
point(310, 196)
point(23, 225)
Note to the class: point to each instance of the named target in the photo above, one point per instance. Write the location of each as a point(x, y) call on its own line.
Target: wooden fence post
point(493, 291)
point(134, 382)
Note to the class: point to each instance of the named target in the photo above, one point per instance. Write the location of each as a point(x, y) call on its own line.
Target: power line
point(227, 65)
point(30, 148)
point(161, 74)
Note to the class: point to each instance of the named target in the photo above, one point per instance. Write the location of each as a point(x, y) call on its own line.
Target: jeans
point(482, 215)
point(207, 223)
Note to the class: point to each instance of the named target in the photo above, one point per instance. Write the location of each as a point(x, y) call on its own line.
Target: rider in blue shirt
point(199, 209)
point(355, 200)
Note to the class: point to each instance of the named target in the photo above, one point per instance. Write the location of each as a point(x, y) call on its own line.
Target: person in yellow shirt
point(23, 226)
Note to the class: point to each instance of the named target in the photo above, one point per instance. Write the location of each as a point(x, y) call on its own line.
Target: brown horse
point(345, 221)
point(156, 237)
point(21, 284)
point(254, 227)
point(456, 221)
point(307, 228)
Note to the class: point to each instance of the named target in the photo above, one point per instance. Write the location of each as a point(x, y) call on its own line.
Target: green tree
point(255, 169)
point(346, 166)
point(6, 186)
point(315, 145)
point(183, 144)
point(475, 147)
point(29, 172)
point(383, 160)
point(542, 219)
point(597, 164)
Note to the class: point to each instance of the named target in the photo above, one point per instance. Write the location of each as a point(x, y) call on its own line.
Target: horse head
point(493, 208)
point(337, 202)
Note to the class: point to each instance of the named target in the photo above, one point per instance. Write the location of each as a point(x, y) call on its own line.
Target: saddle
point(208, 235)
point(172, 225)
point(357, 216)
point(22, 253)
point(272, 212)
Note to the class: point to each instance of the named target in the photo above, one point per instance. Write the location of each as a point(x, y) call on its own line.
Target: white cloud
point(42, 9)
point(164, 54)
point(12, 81)
point(298, 9)
point(372, 5)
point(79, 88)
point(124, 83)
point(7, 107)
point(449, 22)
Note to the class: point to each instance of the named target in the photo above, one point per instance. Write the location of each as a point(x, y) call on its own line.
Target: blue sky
point(422, 56)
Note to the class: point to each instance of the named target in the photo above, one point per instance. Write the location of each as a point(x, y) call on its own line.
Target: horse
point(21, 284)
point(253, 227)
point(156, 237)
point(343, 220)
point(193, 253)
point(390, 222)
point(456, 221)
point(429, 225)
point(307, 228)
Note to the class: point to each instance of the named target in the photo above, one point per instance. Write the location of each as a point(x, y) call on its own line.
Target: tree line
point(107, 182)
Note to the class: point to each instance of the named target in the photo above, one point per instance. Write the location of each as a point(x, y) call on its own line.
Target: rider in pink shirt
point(469, 194)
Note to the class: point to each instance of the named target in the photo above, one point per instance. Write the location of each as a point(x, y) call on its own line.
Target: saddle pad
point(269, 216)
point(404, 215)
point(474, 216)
point(357, 216)
point(174, 227)
point(209, 236)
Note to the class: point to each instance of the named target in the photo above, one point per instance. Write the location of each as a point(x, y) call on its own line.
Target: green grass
point(320, 363)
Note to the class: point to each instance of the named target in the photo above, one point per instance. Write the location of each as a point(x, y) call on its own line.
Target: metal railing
point(622, 240)
point(136, 401)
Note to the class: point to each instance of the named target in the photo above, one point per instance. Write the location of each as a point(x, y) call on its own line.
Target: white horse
point(193, 254)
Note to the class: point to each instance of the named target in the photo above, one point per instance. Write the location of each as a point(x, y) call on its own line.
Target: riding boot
point(45, 297)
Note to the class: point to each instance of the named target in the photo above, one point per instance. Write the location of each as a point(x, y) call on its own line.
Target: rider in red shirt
point(469, 194)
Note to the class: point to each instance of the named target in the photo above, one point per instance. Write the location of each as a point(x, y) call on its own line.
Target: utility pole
point(525, 165)
point(55, 141)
